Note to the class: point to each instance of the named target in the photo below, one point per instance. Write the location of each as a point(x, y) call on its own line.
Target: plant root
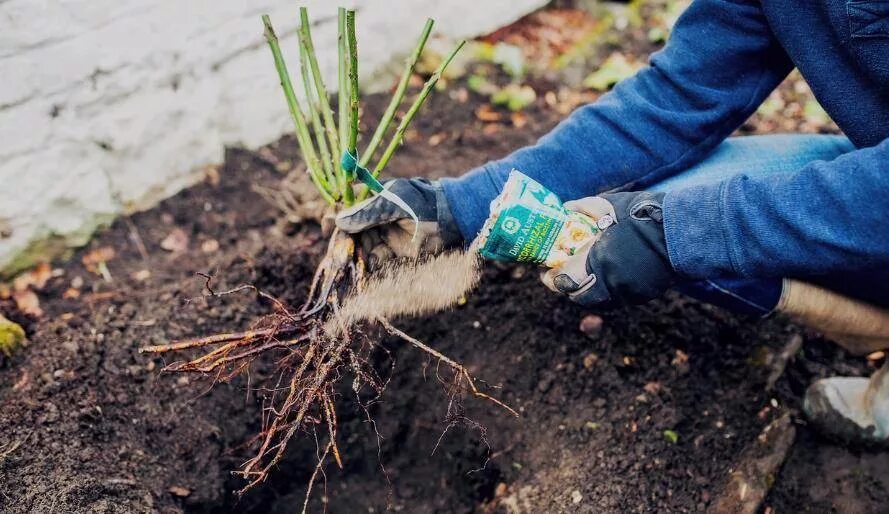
point(310, 362)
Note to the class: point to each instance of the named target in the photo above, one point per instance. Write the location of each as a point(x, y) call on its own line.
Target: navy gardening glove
point(628, 264)
point(387, 231)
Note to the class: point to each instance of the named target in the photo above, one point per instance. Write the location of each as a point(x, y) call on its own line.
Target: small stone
point(590, 360)
point(178, 490)
point(51, 413)
point(476, 324)
point(652, 387)
point(501, 489)
point(210, 246)
point(183, 381)
point(591, 325)
point(576, 497)
point(176, 241)
point(141, 276)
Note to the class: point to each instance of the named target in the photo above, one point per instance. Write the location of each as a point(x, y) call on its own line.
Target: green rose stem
point(352, 48)
point(302, 131)
point(320, 90)
point(342, 80)
point(313, 97)
point(409, 116)
point(398, 96)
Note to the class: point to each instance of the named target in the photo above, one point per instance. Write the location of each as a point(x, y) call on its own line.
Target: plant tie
point(353, 170)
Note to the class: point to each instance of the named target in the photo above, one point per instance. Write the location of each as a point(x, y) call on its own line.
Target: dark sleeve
point(828, 217)
point(721, 61)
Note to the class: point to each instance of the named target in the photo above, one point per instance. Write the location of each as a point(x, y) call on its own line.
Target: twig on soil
point(754, 475)
point(779, 362)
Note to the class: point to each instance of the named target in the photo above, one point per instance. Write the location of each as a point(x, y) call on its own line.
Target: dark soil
point(102, 430)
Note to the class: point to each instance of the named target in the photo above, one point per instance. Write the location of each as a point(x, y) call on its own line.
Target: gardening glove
point(628, 264)
point(387, 231)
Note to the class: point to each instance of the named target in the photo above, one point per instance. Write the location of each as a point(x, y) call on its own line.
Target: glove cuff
point(447, 225)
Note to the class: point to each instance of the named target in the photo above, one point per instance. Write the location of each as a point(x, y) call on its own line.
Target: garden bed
point(88, 424)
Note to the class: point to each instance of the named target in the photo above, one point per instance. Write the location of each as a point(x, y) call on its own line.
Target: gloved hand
point(387, 230)
point(628, 264)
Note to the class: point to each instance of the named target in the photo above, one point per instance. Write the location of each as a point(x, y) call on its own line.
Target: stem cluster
point(322, 138)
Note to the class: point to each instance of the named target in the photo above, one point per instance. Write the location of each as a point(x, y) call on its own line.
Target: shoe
point(852, 410)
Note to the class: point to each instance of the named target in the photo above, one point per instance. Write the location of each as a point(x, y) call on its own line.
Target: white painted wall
point(108, 106)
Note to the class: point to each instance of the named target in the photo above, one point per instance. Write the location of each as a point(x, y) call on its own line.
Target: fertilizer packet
point(528, 223)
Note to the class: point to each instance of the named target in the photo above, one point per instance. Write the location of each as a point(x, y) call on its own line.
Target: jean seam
point(738, 297)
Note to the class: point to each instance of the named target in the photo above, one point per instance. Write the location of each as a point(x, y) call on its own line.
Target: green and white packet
point(528, 223)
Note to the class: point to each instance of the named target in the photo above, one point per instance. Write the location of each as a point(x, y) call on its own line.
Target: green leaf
point(671, 436)
point(615, 68)
point(514, 97)
point(11, 336)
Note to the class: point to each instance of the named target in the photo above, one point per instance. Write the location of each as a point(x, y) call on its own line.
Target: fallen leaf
point(514, 97)
point(101, 255)
point(176, 241)
point(178, 490)
point(71, 293)
point(519, 119)
point(491, 129)
point(34, 279)
point(615, 68)
point(11, 336)
point(487, 114)
point(211, 175)
point(28, 303)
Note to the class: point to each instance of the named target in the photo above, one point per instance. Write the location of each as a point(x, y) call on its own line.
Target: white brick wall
point(107, 106)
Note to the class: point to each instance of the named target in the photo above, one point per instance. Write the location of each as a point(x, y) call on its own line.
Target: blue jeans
point(757, 156)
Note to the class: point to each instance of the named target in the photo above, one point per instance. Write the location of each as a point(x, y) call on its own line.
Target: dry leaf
point(487, 114)
point(100, 255)
point(28, 303)
point(211, 175)
point(34, 279)
point(176, 241)
point(490, 129)
point(71, 293)
point(519, 119)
